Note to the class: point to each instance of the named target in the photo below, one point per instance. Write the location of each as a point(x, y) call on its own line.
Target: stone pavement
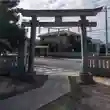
point(55, 87)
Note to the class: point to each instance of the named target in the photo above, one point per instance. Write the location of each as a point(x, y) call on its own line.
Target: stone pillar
point(32, 44)
point(83, 38)
point(75, 89)
point(86, 78)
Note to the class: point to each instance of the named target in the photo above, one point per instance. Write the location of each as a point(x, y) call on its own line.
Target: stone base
point(76, 91)
point(86, 78)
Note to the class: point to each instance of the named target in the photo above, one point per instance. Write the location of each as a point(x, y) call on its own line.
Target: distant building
point(96, 44)
point(62, 41)
point(68, 43)
point(109, 47)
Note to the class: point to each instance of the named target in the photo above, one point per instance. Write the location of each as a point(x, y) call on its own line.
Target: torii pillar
point(85, 77)
point(83, 41)
point(32, 44)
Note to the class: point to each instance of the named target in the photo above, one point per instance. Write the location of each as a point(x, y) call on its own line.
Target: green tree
point(9, 30)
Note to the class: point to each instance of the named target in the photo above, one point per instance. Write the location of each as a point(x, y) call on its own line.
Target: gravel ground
point(95, 97)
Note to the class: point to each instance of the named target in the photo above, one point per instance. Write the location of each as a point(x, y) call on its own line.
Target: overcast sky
point(72, 4)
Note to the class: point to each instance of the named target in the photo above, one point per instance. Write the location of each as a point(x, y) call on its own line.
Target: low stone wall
point(65, 54)
point(7, 64)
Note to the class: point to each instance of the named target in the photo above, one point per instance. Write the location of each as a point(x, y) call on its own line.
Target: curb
point(102, 80)
point(53, 58)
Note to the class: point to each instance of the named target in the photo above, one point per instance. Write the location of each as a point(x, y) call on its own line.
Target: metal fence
point(97, 65)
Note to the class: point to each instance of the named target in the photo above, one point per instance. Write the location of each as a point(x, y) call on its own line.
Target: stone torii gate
point(58, 14)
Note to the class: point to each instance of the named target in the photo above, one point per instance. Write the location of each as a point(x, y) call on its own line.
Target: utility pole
point(106, 29)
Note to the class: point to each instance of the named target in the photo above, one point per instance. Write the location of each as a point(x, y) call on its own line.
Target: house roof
point(63, 32)
point(37, 42)
point(96, 41)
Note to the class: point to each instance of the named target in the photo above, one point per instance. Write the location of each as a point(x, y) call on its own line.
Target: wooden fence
point(97, 65)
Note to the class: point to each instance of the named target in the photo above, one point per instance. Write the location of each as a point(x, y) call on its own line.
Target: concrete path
point(55, 87)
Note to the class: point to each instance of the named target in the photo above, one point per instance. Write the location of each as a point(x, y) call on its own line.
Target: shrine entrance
point(58, 14)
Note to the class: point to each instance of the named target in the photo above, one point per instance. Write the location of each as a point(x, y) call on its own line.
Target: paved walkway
point(55, 87)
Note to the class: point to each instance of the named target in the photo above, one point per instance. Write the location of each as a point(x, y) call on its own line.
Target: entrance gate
point(58, 14)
